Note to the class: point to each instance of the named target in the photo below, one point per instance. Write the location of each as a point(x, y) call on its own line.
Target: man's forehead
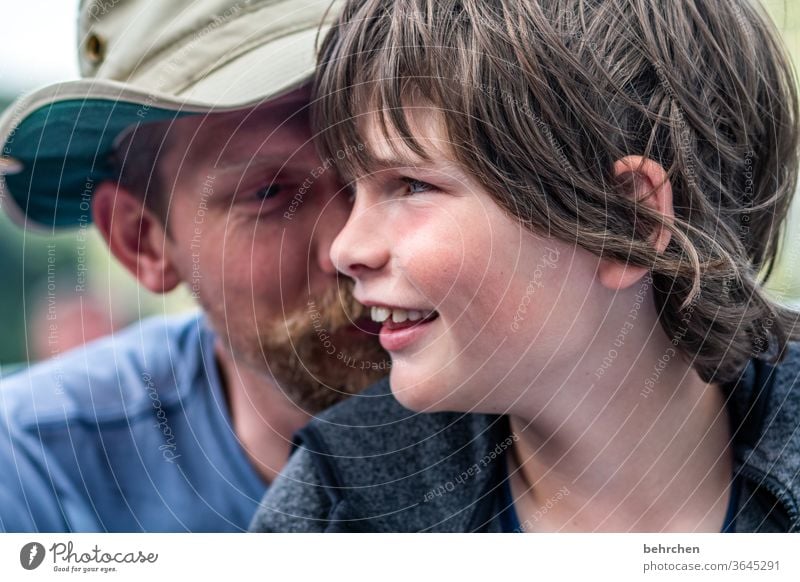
point(237, 139)
point(263, 119)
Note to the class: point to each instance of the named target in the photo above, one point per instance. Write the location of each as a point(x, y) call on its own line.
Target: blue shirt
point(130, 433)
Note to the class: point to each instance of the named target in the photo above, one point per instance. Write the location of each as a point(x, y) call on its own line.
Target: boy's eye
point(417, 186)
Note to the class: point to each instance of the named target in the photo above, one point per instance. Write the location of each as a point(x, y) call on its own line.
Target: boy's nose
point(361, 246)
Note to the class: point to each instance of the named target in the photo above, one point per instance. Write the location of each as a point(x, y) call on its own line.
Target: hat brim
point(63, 134)
point(64, 150)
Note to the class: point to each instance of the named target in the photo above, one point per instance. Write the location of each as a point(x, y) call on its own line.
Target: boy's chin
point(424, 391)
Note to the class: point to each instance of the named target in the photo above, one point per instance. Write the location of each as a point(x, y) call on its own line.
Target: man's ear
point(648, 183)
point(135, 235)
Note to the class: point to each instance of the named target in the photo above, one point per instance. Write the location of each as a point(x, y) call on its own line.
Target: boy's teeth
point(380, 314)
point(399, 315)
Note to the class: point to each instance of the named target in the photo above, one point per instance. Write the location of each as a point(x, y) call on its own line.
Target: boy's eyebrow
point(377, 164)
point(391, 163)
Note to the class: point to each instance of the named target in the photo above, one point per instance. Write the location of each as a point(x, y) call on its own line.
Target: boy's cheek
point(433, 257)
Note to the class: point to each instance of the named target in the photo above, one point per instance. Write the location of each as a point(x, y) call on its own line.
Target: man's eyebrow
point(237, 167)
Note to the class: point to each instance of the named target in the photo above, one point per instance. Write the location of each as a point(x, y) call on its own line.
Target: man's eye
point(349, 191)
point(417, 186)
point(268, 192)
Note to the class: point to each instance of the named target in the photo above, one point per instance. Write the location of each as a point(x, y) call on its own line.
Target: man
point(189, 147)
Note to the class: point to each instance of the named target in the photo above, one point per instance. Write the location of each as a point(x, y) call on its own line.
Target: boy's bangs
point(372, 77)
point(349, 139)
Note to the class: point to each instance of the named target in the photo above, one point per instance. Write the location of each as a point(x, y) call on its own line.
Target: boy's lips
point(400, 326)
point(395, 336)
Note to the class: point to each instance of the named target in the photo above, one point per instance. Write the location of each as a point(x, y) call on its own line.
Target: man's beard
point(316, 354)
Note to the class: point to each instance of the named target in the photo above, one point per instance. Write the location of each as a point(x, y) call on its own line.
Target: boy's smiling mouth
point(400, 327)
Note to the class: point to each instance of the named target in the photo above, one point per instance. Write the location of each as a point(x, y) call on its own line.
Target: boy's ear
point(136, 237)
point(648, 183)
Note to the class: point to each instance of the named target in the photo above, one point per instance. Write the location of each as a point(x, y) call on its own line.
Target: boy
point(560, 214)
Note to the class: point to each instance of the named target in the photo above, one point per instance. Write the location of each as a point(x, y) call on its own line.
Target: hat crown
point(170, 46)
point(118, 38)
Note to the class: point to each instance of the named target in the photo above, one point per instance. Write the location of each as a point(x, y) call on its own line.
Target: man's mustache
point(333, 311)
point(316, 359)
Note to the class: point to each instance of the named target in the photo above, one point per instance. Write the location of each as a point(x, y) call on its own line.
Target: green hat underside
point(64, 148)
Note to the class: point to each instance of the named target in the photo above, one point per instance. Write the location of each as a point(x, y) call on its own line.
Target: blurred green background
point(40, 36)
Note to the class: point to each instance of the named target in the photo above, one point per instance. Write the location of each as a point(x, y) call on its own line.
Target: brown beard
point(318, 356)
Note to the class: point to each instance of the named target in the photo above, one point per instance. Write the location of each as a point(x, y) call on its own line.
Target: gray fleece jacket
point(371, 465)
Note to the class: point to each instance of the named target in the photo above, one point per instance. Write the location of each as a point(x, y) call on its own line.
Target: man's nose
point(361, 246)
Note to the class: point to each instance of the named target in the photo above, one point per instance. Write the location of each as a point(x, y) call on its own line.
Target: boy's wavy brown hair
point(540, 97)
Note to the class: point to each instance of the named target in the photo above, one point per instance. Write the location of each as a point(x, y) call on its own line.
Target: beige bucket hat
point(145, 61)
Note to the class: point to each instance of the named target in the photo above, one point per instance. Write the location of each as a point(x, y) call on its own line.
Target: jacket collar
point(765, 422)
